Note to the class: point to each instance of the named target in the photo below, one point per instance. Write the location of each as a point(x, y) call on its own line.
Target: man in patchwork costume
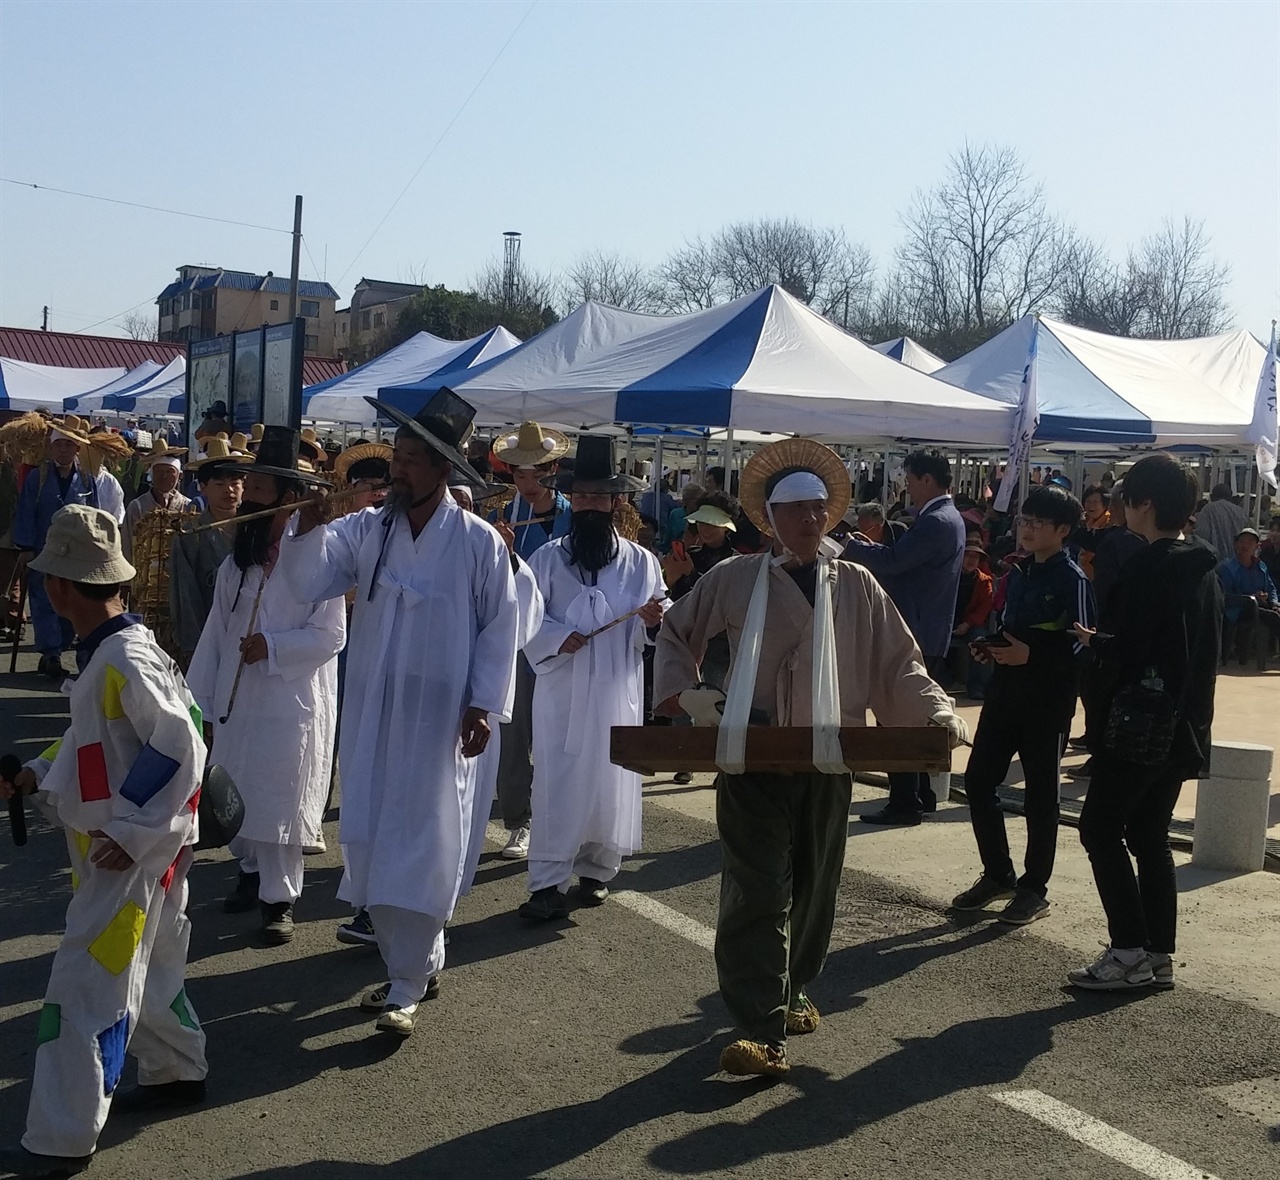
point(124, 780)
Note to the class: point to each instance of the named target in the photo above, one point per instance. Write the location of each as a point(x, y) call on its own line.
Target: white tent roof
point(341, 398)
point(24, 386)
point(96, 400)
point(763, 362)
point(1113, 390)
point(164, 393)
point(908, 352)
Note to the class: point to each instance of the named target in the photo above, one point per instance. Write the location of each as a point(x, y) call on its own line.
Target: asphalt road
point(587, 1049)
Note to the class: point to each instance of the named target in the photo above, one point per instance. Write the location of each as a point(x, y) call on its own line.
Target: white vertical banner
point(1024, 427)
point(1262, 430)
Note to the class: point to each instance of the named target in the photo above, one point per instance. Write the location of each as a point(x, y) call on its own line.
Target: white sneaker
point(1108, 973)
point(517, 844)
point(1161, 971)
point(319, 848)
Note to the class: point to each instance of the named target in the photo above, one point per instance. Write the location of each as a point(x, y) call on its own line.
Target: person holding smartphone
point(1037, 657)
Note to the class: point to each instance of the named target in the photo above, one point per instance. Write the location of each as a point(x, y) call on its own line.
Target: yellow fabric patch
point(75, 880)
point(114, 682)
point(83, 843)
point(49, 753)
point(114, 947)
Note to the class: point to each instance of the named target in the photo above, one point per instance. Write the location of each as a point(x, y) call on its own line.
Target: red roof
point(67, 350)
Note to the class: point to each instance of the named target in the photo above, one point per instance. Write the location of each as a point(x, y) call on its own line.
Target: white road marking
point(1102, 1137)
point(667, 918)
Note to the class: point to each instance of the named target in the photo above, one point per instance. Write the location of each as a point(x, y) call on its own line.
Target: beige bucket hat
point(83, 545)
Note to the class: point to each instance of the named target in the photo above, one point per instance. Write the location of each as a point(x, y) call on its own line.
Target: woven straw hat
point(83, 545)
point(74, 427)
point(783, 457)
point(365, 450)
point(531, 446)
point(218, 450)
point(160, 449)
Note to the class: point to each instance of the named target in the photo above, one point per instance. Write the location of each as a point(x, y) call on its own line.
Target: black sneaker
point(359, 931)
point(1080, 743)
point(592, 892)
point(51, 666)
point(18, 1161)
point(1084, 770)
point(982, 893)
point(244, 896)
point(143, 1098)
point(277, 922)
point(545, 905)
point(1025, 908)
point(893, 816)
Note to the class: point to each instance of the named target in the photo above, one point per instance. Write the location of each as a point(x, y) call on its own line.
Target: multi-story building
point(375, 304)
point(208, 301)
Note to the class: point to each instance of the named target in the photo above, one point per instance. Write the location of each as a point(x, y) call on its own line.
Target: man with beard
point(533, 454)
point(586, 811)
point(431, 665)
point(196, 557)
point(265, 673)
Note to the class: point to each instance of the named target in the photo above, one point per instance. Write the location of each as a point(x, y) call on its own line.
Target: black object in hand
point(10, 767)
point(990, 641)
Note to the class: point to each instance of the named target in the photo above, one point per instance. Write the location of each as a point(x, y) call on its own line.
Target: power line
point(135, 205)
point(109, 318)
point(440, 140)
point(315, 270)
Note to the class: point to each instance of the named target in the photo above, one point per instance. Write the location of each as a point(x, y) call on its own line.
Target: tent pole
point(702, 463)
point(626, 455)
point(884, 483)
point(728, 461)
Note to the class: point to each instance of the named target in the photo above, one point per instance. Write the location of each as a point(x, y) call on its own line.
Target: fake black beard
point(253, 539)
point(592, 541)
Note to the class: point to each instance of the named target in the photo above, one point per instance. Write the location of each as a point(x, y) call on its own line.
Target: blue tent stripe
point(696, 389)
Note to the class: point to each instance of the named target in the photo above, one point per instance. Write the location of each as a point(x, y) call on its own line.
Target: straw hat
point(770, 463)
point(531, 446)
point(95, 449)
point(278, 456)
point(364, 450)
point(255, 432)
point(218, 450)
point(310, 446)
point(160, 449)
point(74, 427)
point(83, 545)
point(238, 442)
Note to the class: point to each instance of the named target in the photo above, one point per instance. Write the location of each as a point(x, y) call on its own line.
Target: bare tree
point(981, 248)
point(140, 325)
point(1184, 284)
point(1100, 294)
point(532, 288)
point(689, 279)
point(612, 279)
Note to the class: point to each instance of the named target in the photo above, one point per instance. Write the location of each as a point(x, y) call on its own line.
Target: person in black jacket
point(1028, 706)
point(1163, 613)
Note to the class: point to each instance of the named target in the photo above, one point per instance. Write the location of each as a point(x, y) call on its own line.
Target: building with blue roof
point(206, 301)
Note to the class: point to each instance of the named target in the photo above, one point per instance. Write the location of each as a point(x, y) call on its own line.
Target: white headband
point(55, 434)
point(167, 461)
point(796, 487)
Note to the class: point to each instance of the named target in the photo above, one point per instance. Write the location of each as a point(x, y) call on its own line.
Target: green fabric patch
point(197, 718)
point(50, 1027)
point(183, 1011)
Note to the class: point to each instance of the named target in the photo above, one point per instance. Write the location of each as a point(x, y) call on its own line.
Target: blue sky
point(618, 126)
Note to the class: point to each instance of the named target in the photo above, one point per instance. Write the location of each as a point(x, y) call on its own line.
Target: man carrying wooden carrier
point(813, 642)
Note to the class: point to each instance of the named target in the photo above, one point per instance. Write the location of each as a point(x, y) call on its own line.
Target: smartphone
point(990, 641)
point(678, 551)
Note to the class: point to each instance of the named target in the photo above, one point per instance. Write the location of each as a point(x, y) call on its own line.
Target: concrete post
point(1231, 809)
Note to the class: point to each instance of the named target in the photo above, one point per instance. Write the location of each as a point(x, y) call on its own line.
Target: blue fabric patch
point(149, 774)
point(111, 1045)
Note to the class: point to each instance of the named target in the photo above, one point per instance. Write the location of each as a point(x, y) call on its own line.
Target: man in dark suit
point(920, 572)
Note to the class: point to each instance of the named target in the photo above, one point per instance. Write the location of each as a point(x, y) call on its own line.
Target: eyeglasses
point(1033, 522)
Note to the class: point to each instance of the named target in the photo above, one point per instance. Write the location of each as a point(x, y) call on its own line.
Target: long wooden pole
point(253, 619)
point(608, 626)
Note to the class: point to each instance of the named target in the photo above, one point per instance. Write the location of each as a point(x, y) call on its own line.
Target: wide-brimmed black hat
point(278, 455)
point(595, 470)
point(444, 424)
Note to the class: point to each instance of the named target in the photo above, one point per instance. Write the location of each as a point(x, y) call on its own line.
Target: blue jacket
point(1240, 582)
point(1043, 601)
point(534, 536)
point(920, 572)
point(38, 501)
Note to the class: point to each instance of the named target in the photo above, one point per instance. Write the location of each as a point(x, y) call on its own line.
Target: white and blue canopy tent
point(341, 398)
point(764, 362)
point(908, 352)
point(25, 386)
point(102, 398)
point(163, 395)
point(1096, 391)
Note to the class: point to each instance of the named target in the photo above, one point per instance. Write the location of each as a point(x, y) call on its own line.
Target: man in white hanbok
point(586, 811)
point(431, 666)
point(265, 674)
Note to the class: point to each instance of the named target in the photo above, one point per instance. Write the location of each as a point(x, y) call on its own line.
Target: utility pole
point(297, 250)
point(44, 323)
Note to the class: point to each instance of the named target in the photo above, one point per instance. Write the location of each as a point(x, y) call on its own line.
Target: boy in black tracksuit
point(1029, 706)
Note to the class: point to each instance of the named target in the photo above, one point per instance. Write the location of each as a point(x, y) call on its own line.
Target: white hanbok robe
point(277, 743)
point(579, 797)
point(436, 636)
point(529, 601)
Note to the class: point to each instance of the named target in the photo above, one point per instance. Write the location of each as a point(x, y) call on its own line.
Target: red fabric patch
point(167, 879)
point(92, 765)
point(193, 804)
